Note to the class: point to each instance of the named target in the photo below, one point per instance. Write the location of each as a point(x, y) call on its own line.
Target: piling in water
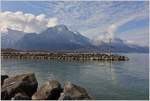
point(63, 56)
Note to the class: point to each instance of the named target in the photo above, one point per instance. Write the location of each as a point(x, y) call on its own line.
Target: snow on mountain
point(9, 38)
point(61, 38)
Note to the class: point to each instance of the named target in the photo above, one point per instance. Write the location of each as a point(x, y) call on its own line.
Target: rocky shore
point(25, 87)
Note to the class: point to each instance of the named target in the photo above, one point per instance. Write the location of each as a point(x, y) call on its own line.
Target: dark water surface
point(123, 80)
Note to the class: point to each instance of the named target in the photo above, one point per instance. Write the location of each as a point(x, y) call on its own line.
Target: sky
point(97, 20)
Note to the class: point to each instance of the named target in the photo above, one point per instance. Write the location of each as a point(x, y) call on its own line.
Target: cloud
point(111, 29)
point(139, 36)
point(111, 17)
point(25, 21)
point(100, 39)
point(105, 39)
point(52, 22)
point(115, 26)
point(93, 18)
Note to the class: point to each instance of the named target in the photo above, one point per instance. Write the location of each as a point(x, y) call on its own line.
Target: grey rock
point(49, 91)
point(21, 96)
point(74, 92)
point(21, 83)
point(3, 77)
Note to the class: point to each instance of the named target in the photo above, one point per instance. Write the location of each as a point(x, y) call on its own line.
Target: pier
point(63, 56)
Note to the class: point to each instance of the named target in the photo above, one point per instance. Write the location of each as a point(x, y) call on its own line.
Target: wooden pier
point(63, 56)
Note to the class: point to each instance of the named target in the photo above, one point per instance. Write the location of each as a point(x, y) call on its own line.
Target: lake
point(118, 80)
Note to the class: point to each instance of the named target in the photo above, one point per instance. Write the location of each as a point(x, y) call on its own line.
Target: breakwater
point(64, 56)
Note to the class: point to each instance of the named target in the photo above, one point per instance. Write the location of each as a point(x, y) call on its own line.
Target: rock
point(21, 96)
point(49, 91)
point(21, 83)
point(4, 95)
point(3, 77)
point(74, 92)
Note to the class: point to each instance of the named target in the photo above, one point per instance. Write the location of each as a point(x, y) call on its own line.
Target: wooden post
point(110, 46)
point(110, 51)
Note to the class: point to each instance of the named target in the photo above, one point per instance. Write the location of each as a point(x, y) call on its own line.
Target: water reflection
point(104, 80)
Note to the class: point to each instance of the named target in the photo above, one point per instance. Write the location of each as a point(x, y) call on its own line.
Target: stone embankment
point(25, 87)
point(64, 56)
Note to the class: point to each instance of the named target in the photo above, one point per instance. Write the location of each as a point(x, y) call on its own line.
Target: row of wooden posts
point(64, 56)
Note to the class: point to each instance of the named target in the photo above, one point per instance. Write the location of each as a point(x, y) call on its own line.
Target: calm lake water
point(121, 80)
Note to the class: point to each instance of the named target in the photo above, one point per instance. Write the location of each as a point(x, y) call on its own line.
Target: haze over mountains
point(60, 38)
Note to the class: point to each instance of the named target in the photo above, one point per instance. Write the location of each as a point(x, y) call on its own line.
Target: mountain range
point(60, 38)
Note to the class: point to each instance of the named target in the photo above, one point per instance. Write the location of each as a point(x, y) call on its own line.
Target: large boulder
point(49, 91)
point(3, 77)
point(74, 92)
point(21, 96)
point(21, 83)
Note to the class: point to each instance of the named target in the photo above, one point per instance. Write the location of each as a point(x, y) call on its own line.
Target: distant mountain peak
point(9, 30)
point(56, 29)
point(61, 38)
point(60, 28)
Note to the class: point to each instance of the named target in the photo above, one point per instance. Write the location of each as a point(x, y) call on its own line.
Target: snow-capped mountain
point(61, 38)
point(10, 38)
point(54, 38)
